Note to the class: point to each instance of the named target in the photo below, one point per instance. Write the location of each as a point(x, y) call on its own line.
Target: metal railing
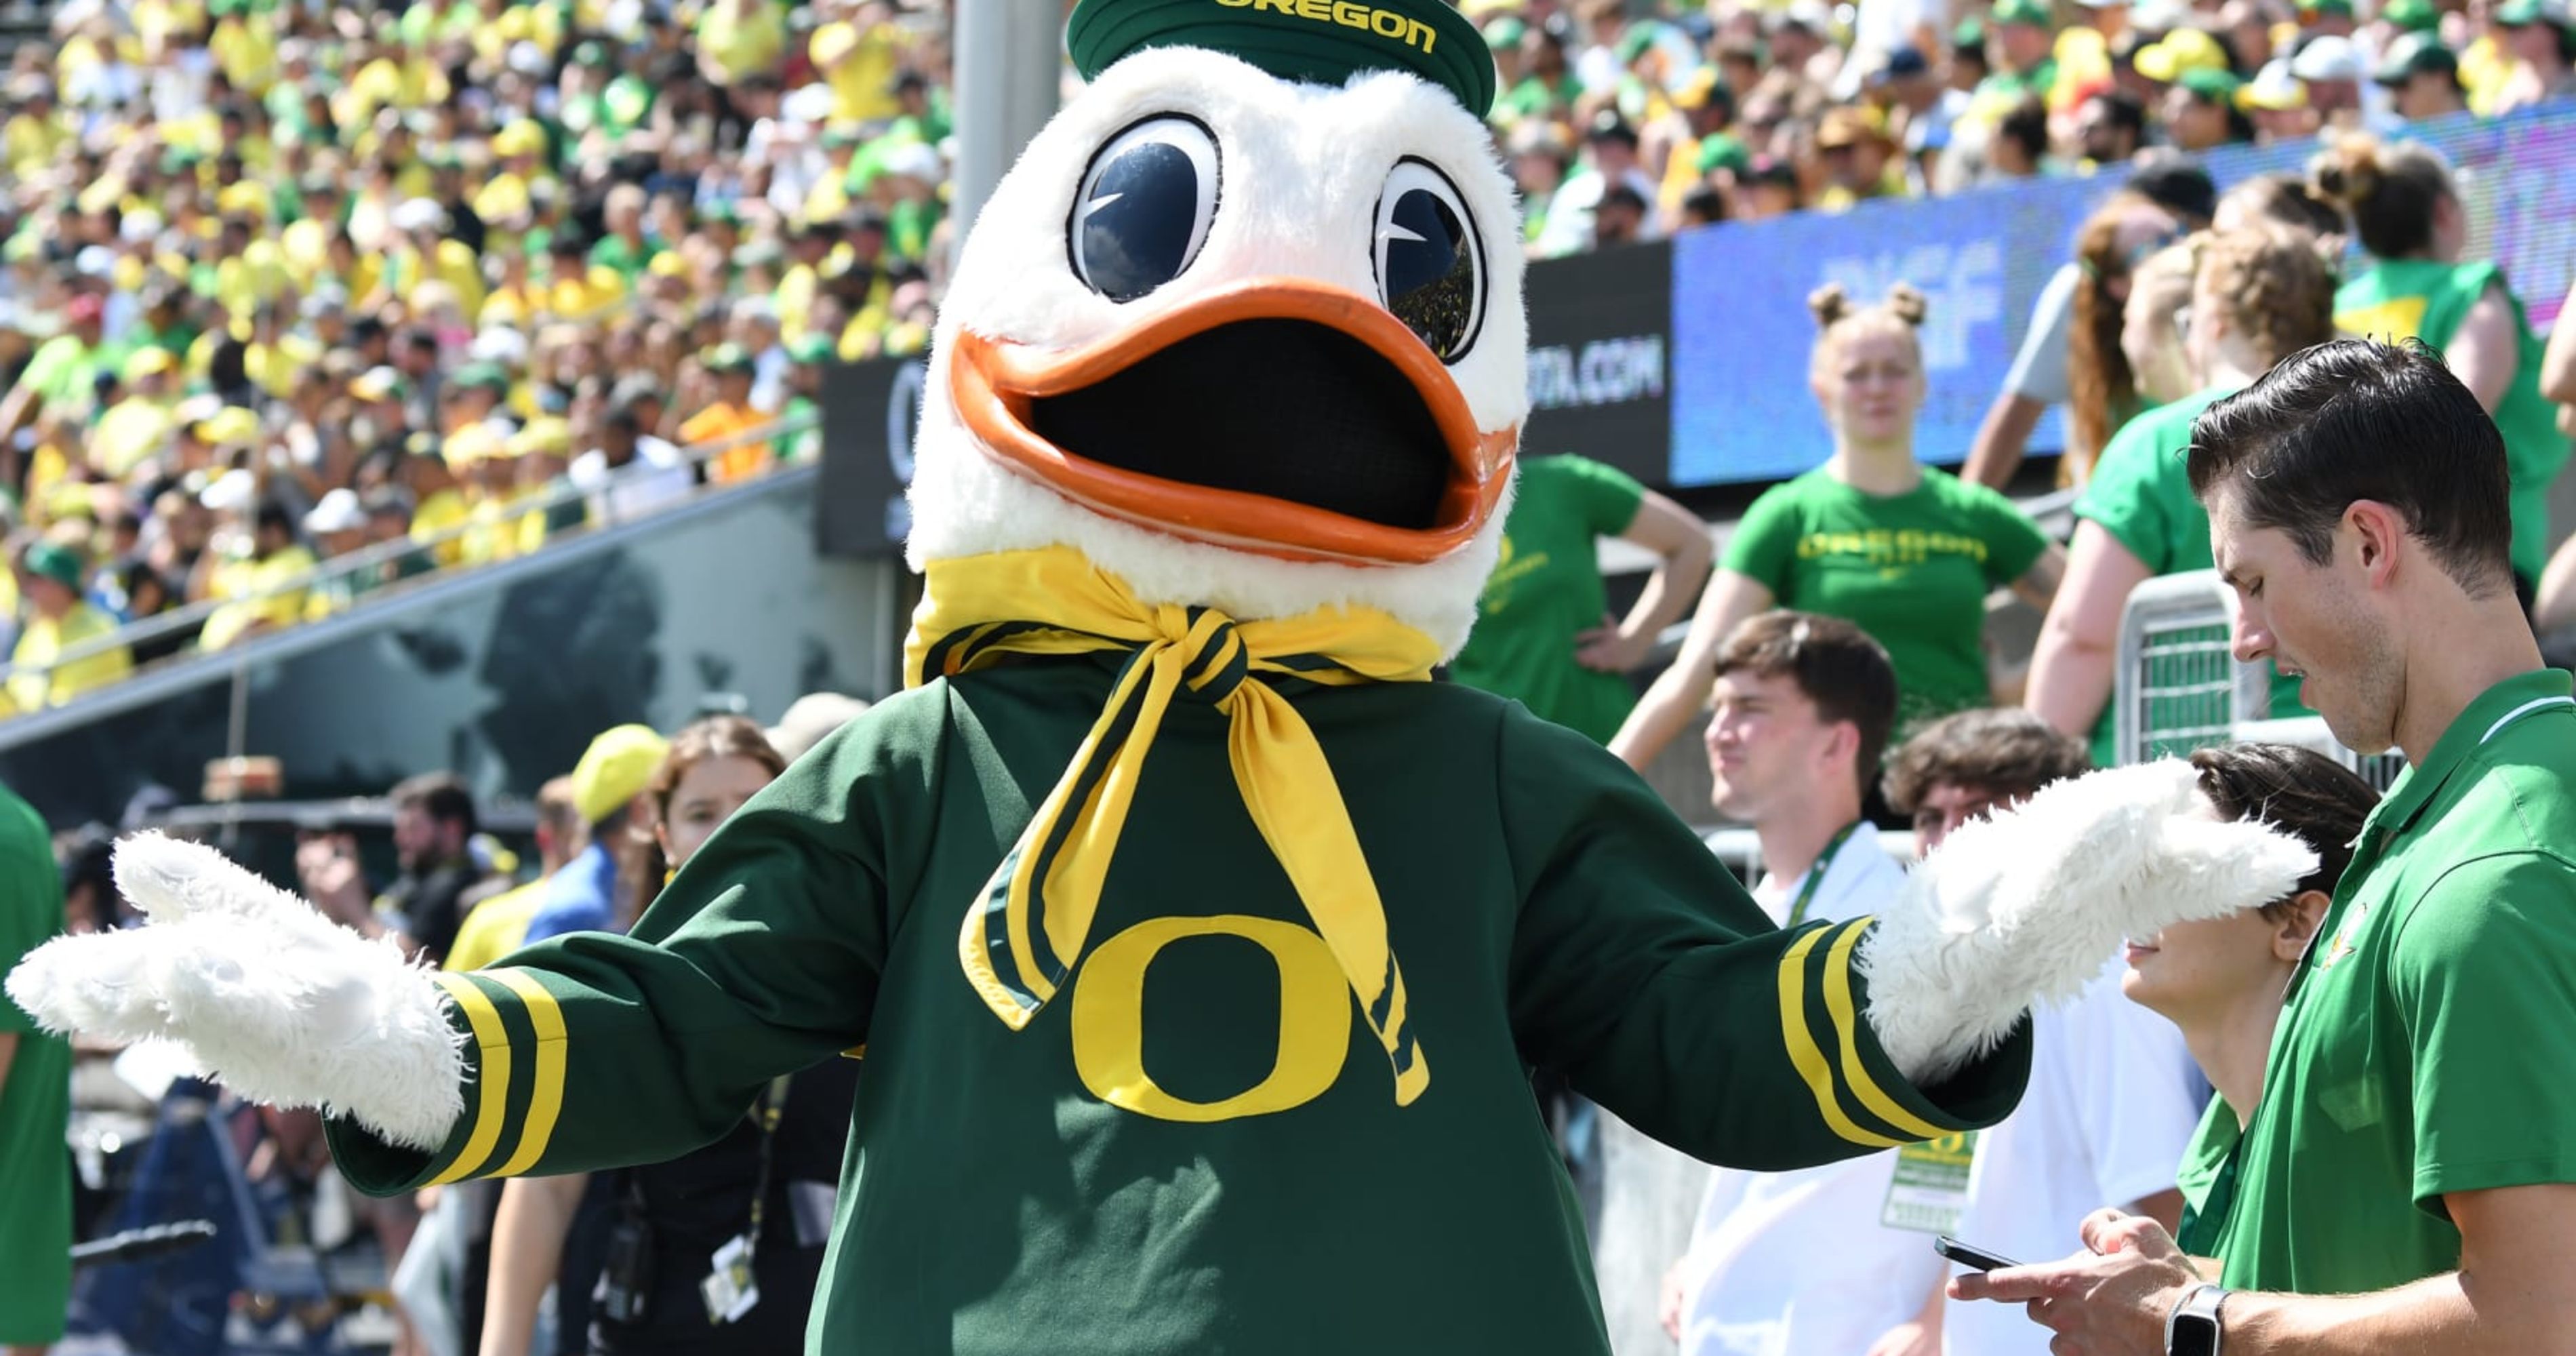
point(2179, 686)
point(188, 619)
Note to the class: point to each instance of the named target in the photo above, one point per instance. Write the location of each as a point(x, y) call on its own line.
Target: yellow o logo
point(1109, 1019)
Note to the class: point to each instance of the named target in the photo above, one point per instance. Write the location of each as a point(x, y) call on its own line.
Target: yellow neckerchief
point(1054, 601)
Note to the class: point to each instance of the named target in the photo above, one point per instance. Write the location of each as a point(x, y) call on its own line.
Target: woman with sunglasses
point(2257, 296)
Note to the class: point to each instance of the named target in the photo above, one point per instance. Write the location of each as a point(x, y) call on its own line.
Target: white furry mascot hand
point(283, 1006)
point(2028, 906)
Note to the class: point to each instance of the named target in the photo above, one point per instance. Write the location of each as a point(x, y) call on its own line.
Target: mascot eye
point(1427, 256)
point(1144, 207)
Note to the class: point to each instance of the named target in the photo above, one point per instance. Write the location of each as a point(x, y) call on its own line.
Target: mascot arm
point(762, 957)
point(1643, 972)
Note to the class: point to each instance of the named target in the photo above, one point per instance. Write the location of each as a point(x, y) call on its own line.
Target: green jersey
point(2415, 1056)
point(35, 1099)
point(1546, 588)
point(1912, 569)
point(1197, 1148)
point(2140, 493)
point(2429, 300)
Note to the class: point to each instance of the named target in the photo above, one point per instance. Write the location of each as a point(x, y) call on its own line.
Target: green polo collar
point(2483, 719)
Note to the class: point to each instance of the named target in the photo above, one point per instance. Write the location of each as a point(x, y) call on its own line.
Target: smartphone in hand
point(1967, 1256)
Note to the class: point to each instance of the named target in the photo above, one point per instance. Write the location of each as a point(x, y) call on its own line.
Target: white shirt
point(1796, 1263)
point(658, 475)
point(2113, 1099)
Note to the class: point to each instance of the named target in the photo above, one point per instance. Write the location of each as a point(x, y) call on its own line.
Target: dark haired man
point(1788, 1262)
point(2357, 503)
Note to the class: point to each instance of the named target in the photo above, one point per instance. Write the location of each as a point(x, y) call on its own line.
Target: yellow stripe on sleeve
point(1804, 1055)
point(545, 1099)
point(492, 1071)
point(1838, 1002)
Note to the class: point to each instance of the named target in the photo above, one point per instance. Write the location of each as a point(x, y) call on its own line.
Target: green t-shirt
point(2416, 1057)
point(2140, 493)
point(2429, 300)
point(1545, 907)
point(1547, 587)
point(35, 1102)
point(1911, 569)
point(62, 370)
point(629, 261)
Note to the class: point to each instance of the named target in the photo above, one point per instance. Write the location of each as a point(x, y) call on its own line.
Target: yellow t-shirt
point(863, 85)
point(719, 421)
point(742, 41)
point(30, 142)
point(495, 927)
point(244, 581)
point(589, 297)
point(45, 638)
point(129, 432)
point(245, 48)
point(438, 513)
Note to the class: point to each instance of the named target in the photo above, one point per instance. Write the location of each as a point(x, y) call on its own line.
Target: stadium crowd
point(283, 281)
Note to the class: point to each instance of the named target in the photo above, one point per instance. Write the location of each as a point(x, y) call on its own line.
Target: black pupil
point(1135, 225)
point(1431, 281)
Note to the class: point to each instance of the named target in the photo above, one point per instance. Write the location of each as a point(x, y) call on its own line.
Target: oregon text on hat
point(1386, 23)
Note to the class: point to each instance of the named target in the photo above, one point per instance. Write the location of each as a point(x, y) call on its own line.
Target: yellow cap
point(150, 360)
point(546, 434)
point(523, 137)
point(227, 427)
point(469, 445)
point(615, 769)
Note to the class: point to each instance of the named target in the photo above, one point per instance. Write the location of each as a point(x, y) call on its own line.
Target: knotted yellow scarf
point(1055, 601)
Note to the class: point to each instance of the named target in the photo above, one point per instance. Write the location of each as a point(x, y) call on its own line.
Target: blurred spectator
point(1610, 155)
point(628, 471)
point(1824, 541)
point(262, 589)
point(717, 398)
point(59, 619)
point(2258, 295)
point(606, 784)
point(2407, 213)
point(2422, 77)
point(2540, 40)
point(2180, 195)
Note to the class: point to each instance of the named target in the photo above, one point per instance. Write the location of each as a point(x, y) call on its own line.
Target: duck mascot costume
point(1198, 943)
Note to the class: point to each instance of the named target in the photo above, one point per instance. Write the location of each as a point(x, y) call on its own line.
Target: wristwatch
point(2192, 1328)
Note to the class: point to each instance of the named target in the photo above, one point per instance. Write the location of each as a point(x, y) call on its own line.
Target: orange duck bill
point(1274, 415)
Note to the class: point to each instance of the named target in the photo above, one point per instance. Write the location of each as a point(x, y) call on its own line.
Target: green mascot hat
point(1324, 42)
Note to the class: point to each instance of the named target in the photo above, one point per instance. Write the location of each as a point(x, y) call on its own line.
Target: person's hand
point(1603, 650)
point(1668, 1305)
point(1909, 1338)
point(2111, 1300)
point(332, 879)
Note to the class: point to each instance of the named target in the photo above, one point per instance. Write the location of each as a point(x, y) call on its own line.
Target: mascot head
point(1243, 325)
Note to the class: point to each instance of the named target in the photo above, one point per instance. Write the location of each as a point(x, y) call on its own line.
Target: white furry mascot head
point(1243, 326)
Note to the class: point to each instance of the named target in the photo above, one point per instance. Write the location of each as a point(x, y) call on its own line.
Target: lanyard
point(1816, 873)
point(771, 1103)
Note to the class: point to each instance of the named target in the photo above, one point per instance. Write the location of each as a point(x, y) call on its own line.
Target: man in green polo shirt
point(2405, 1181)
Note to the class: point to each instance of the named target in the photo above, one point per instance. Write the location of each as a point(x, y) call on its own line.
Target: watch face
point(2193, 1335)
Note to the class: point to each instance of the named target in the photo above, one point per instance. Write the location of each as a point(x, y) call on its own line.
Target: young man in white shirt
point(2113, 1094)
point(1798, 1263)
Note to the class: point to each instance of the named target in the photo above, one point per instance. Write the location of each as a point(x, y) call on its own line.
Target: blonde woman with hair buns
point(2406, 210)
point(2251, 298)
point(1907, 552)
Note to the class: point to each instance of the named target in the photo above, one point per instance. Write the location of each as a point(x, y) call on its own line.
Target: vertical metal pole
point(236, 740)
point(1009, 65)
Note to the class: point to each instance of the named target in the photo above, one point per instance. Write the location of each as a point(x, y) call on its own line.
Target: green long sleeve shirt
point(1196, 1148)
